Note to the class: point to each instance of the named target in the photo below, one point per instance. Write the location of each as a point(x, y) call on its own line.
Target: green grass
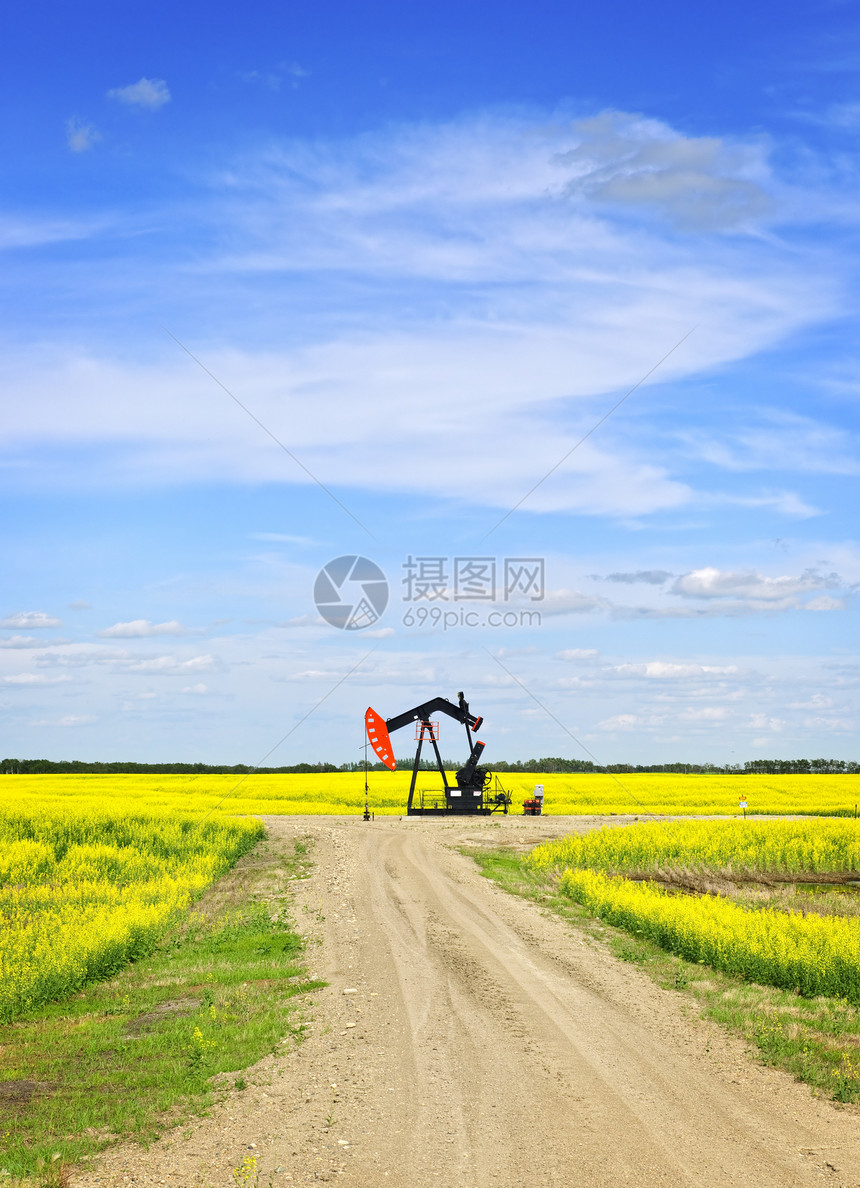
point(817, 1039)
point(128, 1057)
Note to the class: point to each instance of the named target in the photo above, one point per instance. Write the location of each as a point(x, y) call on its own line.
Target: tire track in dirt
point(601, 1095)
point(468, 1039)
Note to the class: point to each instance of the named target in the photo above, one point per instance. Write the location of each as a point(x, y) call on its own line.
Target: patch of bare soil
point(466, 1038)
point(22, 1091)
point(173, 1006)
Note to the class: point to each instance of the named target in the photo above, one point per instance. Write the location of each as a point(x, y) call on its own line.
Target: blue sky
point(429, 247)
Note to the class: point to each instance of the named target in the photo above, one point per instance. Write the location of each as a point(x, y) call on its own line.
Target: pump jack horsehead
point(474, 791)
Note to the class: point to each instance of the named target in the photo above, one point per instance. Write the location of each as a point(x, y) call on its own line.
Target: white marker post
point(743, 804)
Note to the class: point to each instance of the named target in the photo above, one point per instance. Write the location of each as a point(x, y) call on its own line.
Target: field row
point(810, 954)
point(83, 891)
point(810, 951)
point(343, 792)
point(729, 847)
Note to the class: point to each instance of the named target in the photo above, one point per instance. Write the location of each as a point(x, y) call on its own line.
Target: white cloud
point(764, 722)
point(34, 678)
point(499, 287)
point(719, 608)
point(578, 654)
point(25, 641)
point(619, 722)
point(652, 577)
point(169, 665)
point(199, 688)
point(570, 602)
point(67, 720)
point(290, 72)
point(282, 538)
point(710, 582)
point(696, 182)
point(817, 701)
point(151, 93)
point(142, 629)
point(664, 670)
point(81, 136)
point(30, 231)
point(824, 603)
point(774, 439)
point(844, 115)
point(503, 161)
point(30, 620)
point(310, 674)
point(716, 610)
point(626, 722)
point(517, 444)
point(301, 621)
point(124, 661)
point(705, 713)
point(831, 724)
point(785, 503)
point(79, 656)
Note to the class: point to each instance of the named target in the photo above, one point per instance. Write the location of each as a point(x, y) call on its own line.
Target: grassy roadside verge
point(158, 1042)
point(817, 1039)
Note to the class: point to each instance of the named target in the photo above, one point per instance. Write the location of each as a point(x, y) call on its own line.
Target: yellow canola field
point(807, 845)
point(87, 884)
point(343, 792)
point(809, 953)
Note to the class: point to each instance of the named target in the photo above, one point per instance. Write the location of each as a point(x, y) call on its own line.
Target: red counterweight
point(377, 733)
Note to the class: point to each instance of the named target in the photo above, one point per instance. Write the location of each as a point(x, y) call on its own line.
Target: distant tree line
point(77, 766)
point(802, 766)
point(547, 765)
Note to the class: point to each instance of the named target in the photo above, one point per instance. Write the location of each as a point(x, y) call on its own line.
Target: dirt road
point(466, 1039)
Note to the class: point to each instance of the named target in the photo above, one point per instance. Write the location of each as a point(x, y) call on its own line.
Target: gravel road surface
point(468, 1039)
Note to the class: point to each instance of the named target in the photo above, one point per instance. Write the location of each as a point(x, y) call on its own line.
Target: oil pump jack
point(473, 791)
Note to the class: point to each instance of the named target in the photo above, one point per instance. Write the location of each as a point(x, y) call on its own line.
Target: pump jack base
point(438, 807)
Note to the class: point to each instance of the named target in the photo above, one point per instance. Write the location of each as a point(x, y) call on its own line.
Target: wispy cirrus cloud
point(32, 230)
point(511, 276)
point(768, 438)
